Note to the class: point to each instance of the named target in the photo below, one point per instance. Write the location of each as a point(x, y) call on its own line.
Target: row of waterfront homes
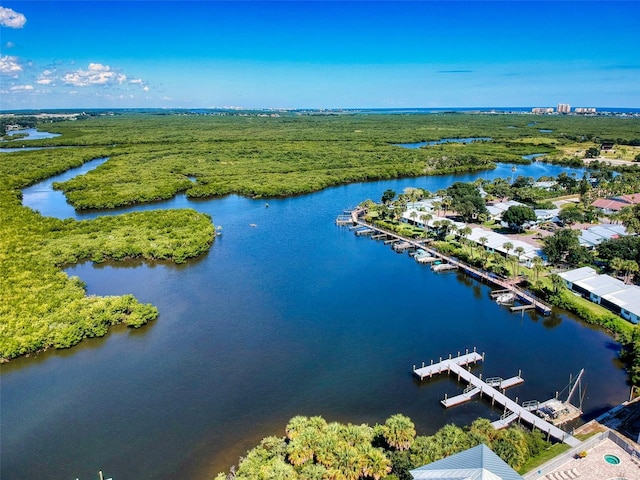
point(604, 290)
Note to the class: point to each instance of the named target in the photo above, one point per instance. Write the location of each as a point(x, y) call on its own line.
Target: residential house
point(615, 204)
point(477, 463)
point(605, 290)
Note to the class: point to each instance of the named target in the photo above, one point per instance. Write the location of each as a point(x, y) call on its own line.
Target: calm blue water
point(293, 316)
point(32, 134)
point(444, 140)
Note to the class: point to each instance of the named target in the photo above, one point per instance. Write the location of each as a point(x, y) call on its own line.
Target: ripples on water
point(292, 316)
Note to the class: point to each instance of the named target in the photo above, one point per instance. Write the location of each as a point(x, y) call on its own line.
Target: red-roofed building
point(609, 205)
point(632, 199)
point(612, 205)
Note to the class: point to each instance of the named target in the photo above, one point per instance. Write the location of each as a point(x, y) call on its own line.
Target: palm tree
point(483, 241)
point(424, 218)
point(295, 426)
point(413, 215)
point(538, 266)
point(301, 449)
point(558, 283)
point(348, 463)
point(437, 205)
point(507, 246)
point(519, 251)
point(453, 229)
point(616, 264)
point(377, 465)
point(399, 432)
point(464, 232)
point(452, 439)
point(630, 267)
point(446, 203)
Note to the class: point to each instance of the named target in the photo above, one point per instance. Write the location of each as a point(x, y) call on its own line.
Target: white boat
point(505, 298)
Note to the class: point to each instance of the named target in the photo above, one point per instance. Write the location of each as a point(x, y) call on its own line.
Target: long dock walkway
point(456, 365)
point(474, 272)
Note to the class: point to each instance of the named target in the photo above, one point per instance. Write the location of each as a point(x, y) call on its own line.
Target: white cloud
point(21, 88)
point(47, 77)
point(11, 19)
point(9, 45)
point(9, 66)
point(96, 74)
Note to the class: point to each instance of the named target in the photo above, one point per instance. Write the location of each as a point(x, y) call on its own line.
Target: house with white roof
point(477, 463)
point(497, 209)
point(594, 236)
point(496, 241)
point(416, 217)
point(605, 290)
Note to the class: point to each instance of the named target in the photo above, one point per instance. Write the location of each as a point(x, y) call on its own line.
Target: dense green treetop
point(518, 215)
point(316, 449)
point(466, 200)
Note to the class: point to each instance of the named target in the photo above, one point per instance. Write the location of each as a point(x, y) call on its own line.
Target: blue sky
point(286, 54)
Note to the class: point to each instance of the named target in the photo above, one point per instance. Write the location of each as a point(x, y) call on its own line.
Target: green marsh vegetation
point(41, 307)
point(156, 156)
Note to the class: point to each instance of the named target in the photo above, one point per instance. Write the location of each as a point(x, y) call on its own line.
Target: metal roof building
point(605, 290)
point(477, 463)
point(593, 236)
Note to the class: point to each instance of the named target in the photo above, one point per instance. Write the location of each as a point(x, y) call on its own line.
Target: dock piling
point(422, 364)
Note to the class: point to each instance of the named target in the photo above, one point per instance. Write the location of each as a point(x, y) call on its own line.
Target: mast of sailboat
point(575, 385)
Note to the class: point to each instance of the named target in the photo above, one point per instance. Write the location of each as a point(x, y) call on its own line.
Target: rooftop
point(477, 463)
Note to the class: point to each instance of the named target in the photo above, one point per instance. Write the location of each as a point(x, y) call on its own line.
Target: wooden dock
point(524, 297)
point(513, 411)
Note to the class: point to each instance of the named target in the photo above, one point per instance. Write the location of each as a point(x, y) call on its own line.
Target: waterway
point(292, 316)
point(443, 141)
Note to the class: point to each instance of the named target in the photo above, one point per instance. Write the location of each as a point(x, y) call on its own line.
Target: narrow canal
point(291, 316)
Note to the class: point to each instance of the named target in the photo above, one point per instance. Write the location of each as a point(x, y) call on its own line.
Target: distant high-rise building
point(541, 110)
point(585, 110)
point(563, 108)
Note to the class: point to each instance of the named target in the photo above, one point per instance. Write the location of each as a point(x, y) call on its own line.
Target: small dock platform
point(445, 365)
point(511, 382)
point(344, 220)
point(364, 231)
point(467, 395)
point(505, 420)
point(522, 308)
point(497, 293)
point(402, 246)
